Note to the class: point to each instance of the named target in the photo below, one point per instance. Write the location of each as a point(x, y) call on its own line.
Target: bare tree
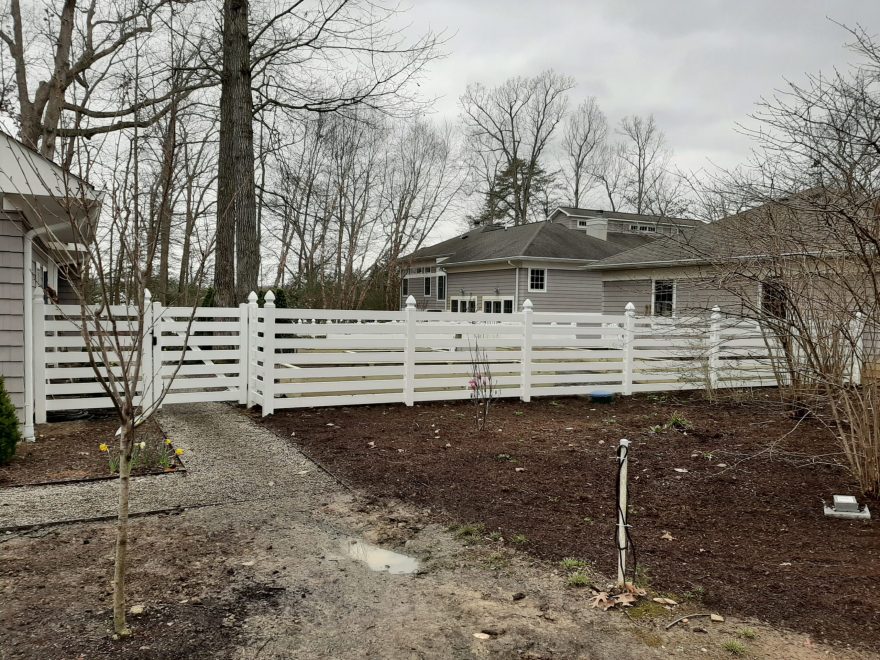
point(645, 156)
point(510, 127)
point(69, 59)
point(294, 58)
point(803, 258)
point(583, 141)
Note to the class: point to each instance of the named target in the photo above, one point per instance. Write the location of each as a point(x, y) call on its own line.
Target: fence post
point(858, 349)
point(409, 353)
point(714, 346)
point(243, 353)
point(156, 331)
point(39, 355)
point(526, 394)
point(629, 335)
point(268, 353)
point(253, 340)
point(147, 353)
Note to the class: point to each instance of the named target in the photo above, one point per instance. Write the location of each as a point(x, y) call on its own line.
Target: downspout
point(515, 287)
point(28, 294)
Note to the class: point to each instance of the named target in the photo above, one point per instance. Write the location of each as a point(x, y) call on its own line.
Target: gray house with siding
point(494, 268)
point(43, 208)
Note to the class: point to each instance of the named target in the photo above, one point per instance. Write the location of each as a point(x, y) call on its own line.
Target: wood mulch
point(715, 516)
point(68, 451)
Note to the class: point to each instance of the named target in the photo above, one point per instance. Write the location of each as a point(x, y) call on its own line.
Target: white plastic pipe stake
point(623, 463)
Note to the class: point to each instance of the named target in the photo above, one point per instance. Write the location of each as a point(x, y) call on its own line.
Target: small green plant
point(589, 521)
point(519, 539)
point(734, 647)
point(747, 633)
point(518, 413)
point(696, 593)
point(657, 428)
point(496, 536)
point(573, 564)
point(470, 533)
point(578, 580)
point(678, 422)
point(504, 457)
point(497, 561)
point(10, 434)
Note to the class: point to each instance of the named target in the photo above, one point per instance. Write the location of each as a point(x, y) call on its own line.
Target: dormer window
point(643, 228)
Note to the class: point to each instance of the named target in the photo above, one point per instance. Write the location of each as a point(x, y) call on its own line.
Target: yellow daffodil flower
point(178, 451)
point(168, 441)
point(103, 447)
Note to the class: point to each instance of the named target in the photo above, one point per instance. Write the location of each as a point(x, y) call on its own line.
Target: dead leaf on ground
point(664, 601)
point(667, 536)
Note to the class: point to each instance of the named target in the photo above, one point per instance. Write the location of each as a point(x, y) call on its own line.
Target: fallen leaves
point(667, 536)
point(665, 601)
point(606, 601)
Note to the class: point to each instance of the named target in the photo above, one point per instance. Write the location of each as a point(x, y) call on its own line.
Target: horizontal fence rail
point(292, 358)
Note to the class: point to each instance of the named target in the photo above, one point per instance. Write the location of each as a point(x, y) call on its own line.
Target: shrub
point(10, 434)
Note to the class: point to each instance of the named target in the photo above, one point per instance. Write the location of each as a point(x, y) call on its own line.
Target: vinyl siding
point(12, 310)
point(699, 296)
point(417, 288)
point(483, 283)
point(616, 295)
point(567, 291)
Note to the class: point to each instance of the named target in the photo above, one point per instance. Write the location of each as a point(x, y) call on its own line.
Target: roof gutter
point(507, 260)
point(28, 294)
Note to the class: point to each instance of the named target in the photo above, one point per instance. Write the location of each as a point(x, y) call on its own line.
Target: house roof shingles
point(537, 240)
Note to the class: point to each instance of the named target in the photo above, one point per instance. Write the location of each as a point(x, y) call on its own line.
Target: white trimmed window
point(537, 279)
point(427, 286)
point(463, 304)
point(405, 286)
point(498, 304)
point(663, 298)
point(441, 287)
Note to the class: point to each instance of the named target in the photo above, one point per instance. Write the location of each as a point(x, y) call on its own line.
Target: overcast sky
point(698, 66)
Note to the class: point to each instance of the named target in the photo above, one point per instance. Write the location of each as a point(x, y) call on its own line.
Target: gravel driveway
point(228, 460)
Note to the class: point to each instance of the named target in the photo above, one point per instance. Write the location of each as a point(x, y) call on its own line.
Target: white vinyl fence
point(290, 358)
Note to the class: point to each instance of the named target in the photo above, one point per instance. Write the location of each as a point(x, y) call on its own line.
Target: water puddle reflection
point(379, 559)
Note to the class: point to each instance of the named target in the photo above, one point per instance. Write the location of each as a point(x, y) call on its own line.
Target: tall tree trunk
point(169, 152)
point(237, 239)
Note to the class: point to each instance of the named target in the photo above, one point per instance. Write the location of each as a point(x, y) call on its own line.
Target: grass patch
point(747, 633)
point(520, 539)
point(646, 609)
point(573, 564)
point(497, 561)
point(578, 580)
point(734, 647)
point(470, 533)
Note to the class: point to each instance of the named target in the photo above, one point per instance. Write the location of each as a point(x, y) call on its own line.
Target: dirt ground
point(718, 520)
point(68, 451)
point(272, 581)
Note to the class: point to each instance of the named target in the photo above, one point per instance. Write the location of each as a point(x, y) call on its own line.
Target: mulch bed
point(68, 451)
point(748, 539)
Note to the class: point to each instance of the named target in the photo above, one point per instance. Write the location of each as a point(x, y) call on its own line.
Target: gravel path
point(234, 461)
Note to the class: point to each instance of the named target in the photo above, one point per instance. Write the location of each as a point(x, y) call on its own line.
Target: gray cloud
point(699, 66)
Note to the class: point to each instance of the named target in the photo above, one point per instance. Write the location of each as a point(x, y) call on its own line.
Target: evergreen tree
point(500, 200)
point(10, 434)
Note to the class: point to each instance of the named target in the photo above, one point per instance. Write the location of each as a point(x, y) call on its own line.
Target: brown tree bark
point(237, 247)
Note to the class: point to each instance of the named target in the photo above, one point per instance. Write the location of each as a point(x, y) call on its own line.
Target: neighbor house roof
point(789, 226)
point(619, 215)
point(537, 240)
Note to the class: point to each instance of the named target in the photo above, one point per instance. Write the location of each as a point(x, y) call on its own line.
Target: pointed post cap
point(147, 295)
point(252, 297)
point(269, 299)
point(716, 311)
point(527, 305)
point(630, 308)
point(410, 302)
